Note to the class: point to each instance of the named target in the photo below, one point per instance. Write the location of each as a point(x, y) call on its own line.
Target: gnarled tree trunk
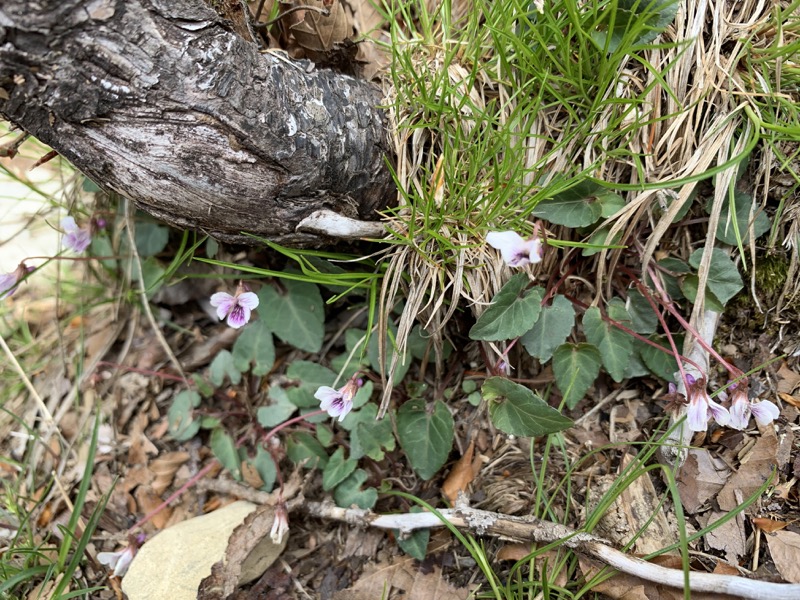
point(160, 101)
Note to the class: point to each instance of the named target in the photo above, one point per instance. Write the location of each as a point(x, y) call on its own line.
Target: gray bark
point(161, 102)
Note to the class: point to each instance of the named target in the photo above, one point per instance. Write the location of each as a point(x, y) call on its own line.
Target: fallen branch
point(523, 529)
point(531, 529)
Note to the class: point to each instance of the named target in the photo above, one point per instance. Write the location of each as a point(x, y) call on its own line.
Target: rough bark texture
point(158, 100)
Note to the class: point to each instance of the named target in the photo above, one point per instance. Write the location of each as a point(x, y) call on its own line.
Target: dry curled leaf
point(769, 525)
point(784, 546)
point(319, 26)
point(461, 476)
point(164, 469)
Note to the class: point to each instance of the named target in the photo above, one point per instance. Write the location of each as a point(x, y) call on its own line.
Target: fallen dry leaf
point(756, 468)
point(769, 525)
point(164, 469)
point(464, 471)
point(403, 576)
point(251, 476)
point(789, 399)
point(728, 537)
point(317, 32)
point(724, 568)
point(514, 552)
point(788, 380)
point(784, 546)
point(700, 478)
point(148, 502)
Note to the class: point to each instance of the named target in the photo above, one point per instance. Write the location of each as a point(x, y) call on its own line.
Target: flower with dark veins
point(337, 403)
point(236, 308)
point(75, 238)
point(515, 250)
point(701, 406)
point(764, 412)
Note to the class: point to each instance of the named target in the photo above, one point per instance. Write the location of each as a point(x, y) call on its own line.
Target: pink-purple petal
point(764, 412)
point(248, 300)
point(224, 303)
point(740, 414)
point(718, 412)
point(238, 317)
point(697, 416)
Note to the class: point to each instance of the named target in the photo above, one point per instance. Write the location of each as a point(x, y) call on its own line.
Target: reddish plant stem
point(104, 363)
point(297, 419)
point(664, 300)
point(649, 297)
point(631, 332)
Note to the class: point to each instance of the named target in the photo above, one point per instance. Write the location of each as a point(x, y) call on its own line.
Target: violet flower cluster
point(702, 408)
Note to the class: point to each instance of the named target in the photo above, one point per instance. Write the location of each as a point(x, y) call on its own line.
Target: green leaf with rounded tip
point(511, 313)
point(151, 238)
point(575, 366)
point(302, 446)
point(182, 423)
point(224, 449)
point(610, 202)
point(635, 22)
point(278, 410)
point(726, 229)
point(690, 283)
point(416, 544)
point(368, 436)
point(425, 436)
point(615, 345)
point(578, 206)
point(221, 366)
point(661, 364)
point(307, 377)
point(349, 492)
point(254, 346)
point(643, 317)
point(551, 330)
point(517, 410)
point(296, 314)
point(337, 470)
point(723, 276)
point(265, 465)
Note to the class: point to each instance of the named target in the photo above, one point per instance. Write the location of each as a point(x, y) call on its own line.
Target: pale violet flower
point(701, 406)
point(120, 561)
point(516, 251)
point(10, 281)
point(280, 523)
point(236, 308)
point(764, 412)
point(76, 238)
point(337, 403)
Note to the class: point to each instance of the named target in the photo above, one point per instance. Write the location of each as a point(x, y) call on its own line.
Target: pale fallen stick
point(531, 529)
